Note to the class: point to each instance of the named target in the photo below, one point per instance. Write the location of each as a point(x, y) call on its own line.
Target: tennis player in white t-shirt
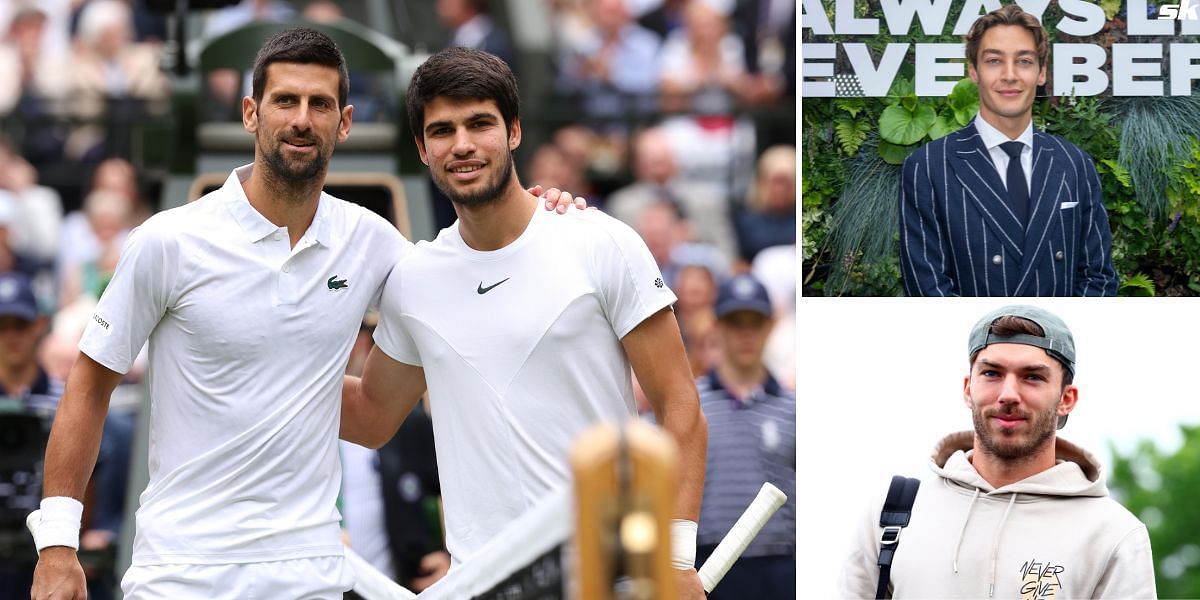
point(250, 298)
point(525, 332)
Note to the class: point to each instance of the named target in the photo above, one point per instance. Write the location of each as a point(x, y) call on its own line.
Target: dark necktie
point(1018, 190)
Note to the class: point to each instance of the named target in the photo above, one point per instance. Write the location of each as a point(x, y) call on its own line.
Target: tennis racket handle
point(734, 543)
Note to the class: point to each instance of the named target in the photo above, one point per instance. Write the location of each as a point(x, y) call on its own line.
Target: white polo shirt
point(249, 339)
point(522, 351)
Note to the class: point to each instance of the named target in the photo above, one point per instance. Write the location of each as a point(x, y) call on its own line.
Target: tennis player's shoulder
point(590, 221)
point(166, 227)
point(599, 227)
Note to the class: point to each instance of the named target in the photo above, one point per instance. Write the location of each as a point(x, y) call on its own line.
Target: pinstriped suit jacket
point(958, 236)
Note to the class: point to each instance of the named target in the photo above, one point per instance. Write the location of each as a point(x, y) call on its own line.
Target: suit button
point(1058, 255)
point(997, 260)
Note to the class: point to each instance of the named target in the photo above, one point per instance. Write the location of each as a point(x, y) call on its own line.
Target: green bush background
point(1146, 149)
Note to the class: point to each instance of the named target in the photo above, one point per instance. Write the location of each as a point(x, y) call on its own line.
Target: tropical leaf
point(902, 92)
point(943, 125)
point(893, 154)
point(964, 101)
point(851, 134)
point(851, 106)
point(903, 126)
point(1137, 285)
point(1121, 173)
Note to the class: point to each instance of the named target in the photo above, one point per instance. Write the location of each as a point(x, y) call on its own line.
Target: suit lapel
point(976, 172)
point(1049, 170)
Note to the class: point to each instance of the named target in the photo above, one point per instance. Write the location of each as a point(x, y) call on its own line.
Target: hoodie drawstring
point(996, 542)
point(962, 532)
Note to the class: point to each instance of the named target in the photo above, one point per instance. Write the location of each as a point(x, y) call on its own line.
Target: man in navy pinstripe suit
point(976, 222)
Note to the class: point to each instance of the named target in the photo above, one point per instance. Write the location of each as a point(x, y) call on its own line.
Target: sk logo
point(337, 284)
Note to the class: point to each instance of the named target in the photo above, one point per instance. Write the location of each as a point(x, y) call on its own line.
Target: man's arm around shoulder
point(655, 350)
point(374, 406)
point(70, 456)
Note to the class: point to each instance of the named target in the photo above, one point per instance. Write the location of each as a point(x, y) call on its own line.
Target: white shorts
point(321, 578)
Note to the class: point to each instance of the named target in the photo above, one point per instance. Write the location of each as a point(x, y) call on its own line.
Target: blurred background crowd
point(674, 116)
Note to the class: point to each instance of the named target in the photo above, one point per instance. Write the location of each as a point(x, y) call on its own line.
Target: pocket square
point(1065, 205)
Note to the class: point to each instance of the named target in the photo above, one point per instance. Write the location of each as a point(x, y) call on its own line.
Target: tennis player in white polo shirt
point(251, 298)
point(505, 293)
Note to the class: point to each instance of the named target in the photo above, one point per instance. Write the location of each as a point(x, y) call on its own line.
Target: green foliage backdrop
point(1147, 153)
point(1162, 489)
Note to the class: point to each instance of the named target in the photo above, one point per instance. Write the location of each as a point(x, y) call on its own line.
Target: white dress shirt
point(992, 138)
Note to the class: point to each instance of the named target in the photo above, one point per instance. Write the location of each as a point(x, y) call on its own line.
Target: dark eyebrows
point(285, 93)
point(997, 52)
point(474, 118)
point(1031, 368)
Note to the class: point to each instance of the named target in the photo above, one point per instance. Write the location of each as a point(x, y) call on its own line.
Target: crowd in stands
point(664, 95)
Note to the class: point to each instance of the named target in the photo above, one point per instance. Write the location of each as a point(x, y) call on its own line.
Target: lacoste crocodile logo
point(337, 284)
point(483, 290)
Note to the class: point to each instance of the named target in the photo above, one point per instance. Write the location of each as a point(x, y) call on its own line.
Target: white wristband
point(60, 519)
point(683, 544)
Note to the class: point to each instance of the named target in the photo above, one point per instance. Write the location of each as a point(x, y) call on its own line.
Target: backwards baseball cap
point(16, 297)
point(1057, 342)
point(742, 292)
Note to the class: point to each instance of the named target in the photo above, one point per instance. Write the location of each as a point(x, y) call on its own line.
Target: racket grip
point(734, 543)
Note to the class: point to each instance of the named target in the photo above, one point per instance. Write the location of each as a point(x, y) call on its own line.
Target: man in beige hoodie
point(1016, 511)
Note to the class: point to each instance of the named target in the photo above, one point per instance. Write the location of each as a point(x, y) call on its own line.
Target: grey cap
point(1057, 342)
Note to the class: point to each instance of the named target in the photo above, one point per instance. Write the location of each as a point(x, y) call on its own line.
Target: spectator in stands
point(21, 328)
point(108, 215)
point(23, 58)
point(657, 179)
point(767, 29)
point(587, 152)
point(11, 260)
point(25, 389)
point(752, 421)
point(775, 267)
point(471, 27)
point(79, 244)
point(34, 80)
point(663, 228)
point(110, 67)
point(245, 12)
point(552, 167)
point(703, 64)
point(698, 271)
point(120, 176)
point(614, 65)
point(37, 210)
point(769, 215)
point(700, 341)
point(224, 86)
point(664, 18)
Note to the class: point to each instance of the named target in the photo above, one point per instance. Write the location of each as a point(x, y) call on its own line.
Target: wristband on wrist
point(59, 523)
point(683, 544)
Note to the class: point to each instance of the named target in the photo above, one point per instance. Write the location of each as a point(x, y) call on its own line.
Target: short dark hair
point(462, 73)
point(304, 46)
point(1009, 14)
point(1010, 325)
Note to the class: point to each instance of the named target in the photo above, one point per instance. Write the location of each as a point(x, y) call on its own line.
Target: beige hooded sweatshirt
point(1056, 534)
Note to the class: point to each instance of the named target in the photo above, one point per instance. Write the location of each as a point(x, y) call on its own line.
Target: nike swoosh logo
point(483, 290)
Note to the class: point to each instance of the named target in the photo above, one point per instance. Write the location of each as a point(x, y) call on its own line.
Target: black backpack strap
point(897, 509)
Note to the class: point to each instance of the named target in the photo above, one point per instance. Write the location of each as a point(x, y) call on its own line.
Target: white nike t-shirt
point(249, 339)
point(521, 350)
